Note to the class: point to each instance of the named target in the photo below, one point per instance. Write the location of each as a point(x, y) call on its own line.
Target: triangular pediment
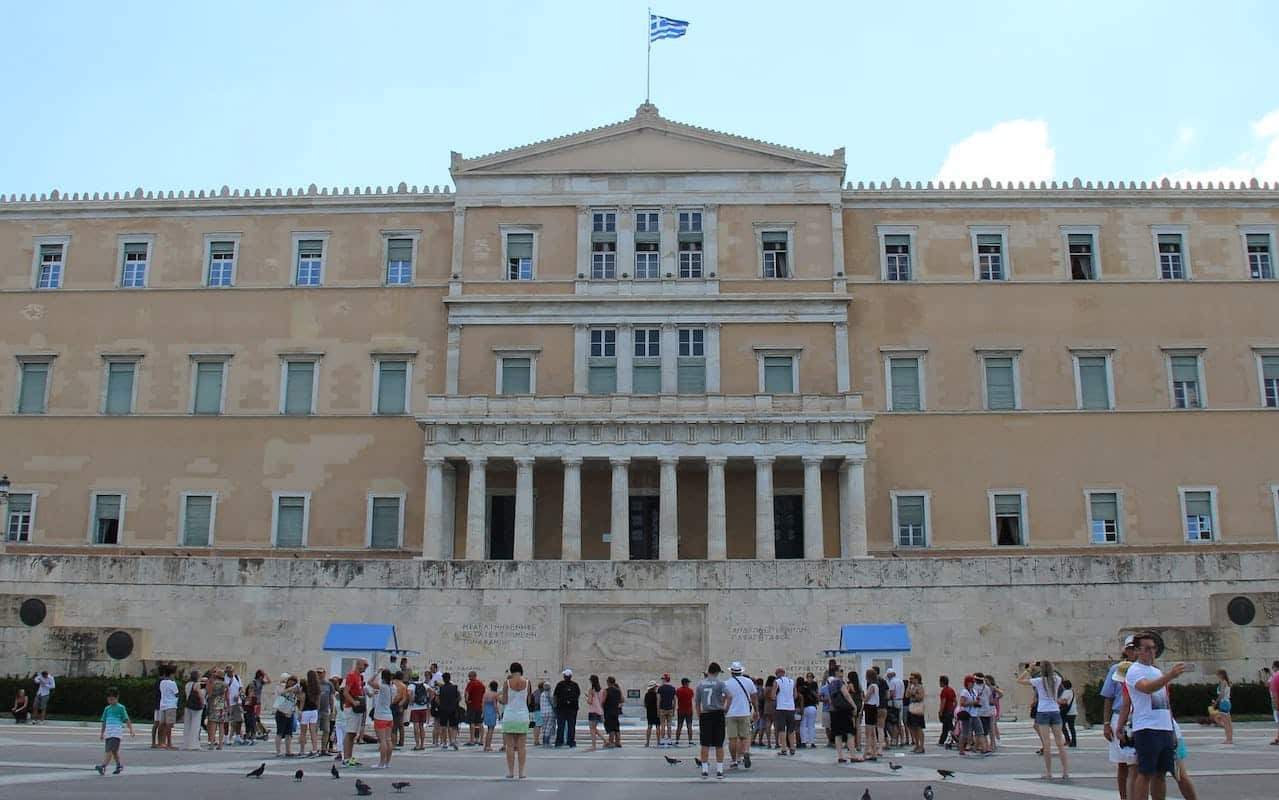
point(647, 143)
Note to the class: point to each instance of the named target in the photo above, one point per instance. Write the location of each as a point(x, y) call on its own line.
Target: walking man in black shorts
point(711, 700)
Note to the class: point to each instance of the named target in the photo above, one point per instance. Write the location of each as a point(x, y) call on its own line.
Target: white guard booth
point(879, 645)
point(347, 641)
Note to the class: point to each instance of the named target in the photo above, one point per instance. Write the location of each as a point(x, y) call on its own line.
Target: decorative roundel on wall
point(119, 645)
point(32, 612)
point(1241, 611)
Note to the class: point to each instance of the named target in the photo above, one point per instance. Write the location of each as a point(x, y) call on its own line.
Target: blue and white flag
point(665, 28)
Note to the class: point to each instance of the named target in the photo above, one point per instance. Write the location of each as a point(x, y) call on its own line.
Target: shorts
point(612, 723)
point(42, 702)
point(711, 728)
point(1156, 751)
point(283, 724)
point(323, 720)
point(737, 727)
point(893, 714)
point(419, 716)
point(351, 720)
point(666, 715)
point(685, 717)
point(236, 713)
point(972, 727)
point(592, 717)
point(169, 716)
point(654, 720)
point(310, 717)
point(382, 724)
point(475, 716)
point(784, 721)
point(987, 725)
point(452, 719)
point(841, 722)
point(1050, 718)
point(112, 745)
point(915, 721)
point(872, 714)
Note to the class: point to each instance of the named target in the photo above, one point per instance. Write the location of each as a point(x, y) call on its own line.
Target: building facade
point(646, 341)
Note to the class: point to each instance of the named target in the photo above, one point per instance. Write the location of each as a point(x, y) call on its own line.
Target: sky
point(112, 96)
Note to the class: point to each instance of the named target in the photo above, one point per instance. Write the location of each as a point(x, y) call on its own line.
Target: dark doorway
point(502, 527)
point(645, 524)
point(788, 525)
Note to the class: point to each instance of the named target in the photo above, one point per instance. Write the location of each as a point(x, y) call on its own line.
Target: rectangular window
point(207, 395)
point(1083, 264)
point(690, 222)
point(904, 385)
point(108, 518)
point(133, 272)
point(519, 256)
point(691, 363)
point(647, 261)
point(517, 375)
point(291, 520)
point(1186, 389)
point(648, 343)
point(604, 222)
point(910, 514)
point(646, 224)
point(603, 261)
point(779, 375)
point(50, 274)
point(990, 257)
point(21, 515)
point(399, 262)
point(1009, 519)
point(1103, 517)
point(1201, 523)
point(310, 266)
point(602, 365)
point(1172, 259)
point(299, 387)
point(1260, 256)
point(384, 522)
point(33, 387)
point(1001, 383)
point(897, 257)
point(197, 520)
point(646, 366)
point(1094, 382)
point(1270, 380)
point(690, 244)
point(392, 386)
point(776, 248)
point(118, 398)
point(221, 263)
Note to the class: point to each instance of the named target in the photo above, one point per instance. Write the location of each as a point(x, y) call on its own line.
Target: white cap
point(568, 673)
point(1129, 641)
point(891, 671)
point(284, 676)
point(736, 666)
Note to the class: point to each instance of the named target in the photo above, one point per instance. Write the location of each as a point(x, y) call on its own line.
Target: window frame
point(63, 239)
point(593, 361)
point(1120, 528)
point(1181, 230)
point(378, 358)
point(368, 519)
point(1081, 230)
point(778, 351)
point(1015, 355)
point(1176, 352)
point(1260, 354)
point(787, 228)
point(1216, 538)
point(23, 360)
point(182, 515)
point(919, 356)
point(207, 358)
point(298, 238)
point(531, 352)
point(1005, 258)
point(122, 241)
point(505, 230)
point(285, 360)
point(1244, 232)
point(94, 494)
point(8, 510)
point(1108, 355)
point(894, 495)
point(1024, 519)
point(107, 361)
point(415, 234)
point(883, 232)
point(306, 516)
point(209, 239)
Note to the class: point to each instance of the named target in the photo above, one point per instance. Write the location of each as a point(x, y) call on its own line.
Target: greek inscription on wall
point(491, 634)
point(766, 633)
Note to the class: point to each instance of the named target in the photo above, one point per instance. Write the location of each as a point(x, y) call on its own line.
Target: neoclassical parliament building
point(645, 342)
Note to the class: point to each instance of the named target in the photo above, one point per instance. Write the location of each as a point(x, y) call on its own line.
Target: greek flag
point(665, 28)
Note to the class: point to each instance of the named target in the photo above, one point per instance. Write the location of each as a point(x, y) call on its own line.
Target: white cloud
point(1017, 149)
point(1261, 161)
point(1185, 136)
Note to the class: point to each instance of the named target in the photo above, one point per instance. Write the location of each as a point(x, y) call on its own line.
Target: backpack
point(194, 701)
point(420, 697)
point(837, 699)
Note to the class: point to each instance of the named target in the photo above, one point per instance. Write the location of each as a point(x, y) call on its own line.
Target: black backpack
point(420, 696)
point(837, 699)
point(194, 701)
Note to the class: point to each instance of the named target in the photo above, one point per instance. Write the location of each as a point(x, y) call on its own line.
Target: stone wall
point(634, 619)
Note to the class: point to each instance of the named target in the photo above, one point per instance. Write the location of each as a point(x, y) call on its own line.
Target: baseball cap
point(736, 666)
point(568, 673)
point(1129, 641)
point(284, 676)
point(666, 677)
point(891, 671)
point(652, 684)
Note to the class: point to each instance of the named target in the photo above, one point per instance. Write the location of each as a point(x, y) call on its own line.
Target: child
point(114, 720)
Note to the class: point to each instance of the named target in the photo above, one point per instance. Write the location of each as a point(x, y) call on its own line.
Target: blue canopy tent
point(347, 641)
point(883, 645)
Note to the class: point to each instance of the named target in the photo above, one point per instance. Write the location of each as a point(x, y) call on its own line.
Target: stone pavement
point(55, 761)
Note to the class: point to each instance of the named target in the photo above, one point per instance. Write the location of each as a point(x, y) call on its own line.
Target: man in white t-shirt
point(168, 709)
point(896, 692)
point(743, 709)
point(1151, 711)
point(44, 686)
point(784, 718)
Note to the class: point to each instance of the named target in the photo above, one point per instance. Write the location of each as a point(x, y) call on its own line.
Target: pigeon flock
point(362, 789)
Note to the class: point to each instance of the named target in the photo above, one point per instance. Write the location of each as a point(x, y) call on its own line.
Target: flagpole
point(648, 60)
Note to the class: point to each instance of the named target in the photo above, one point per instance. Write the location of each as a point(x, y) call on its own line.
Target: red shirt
point(475, 693)
point(684, 700)
point(948, 700)
point(354, 685)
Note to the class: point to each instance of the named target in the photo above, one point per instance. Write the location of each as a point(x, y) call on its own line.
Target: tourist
point(310, 719)
point(398, 705)
point(1068, 713)
point(1047, 685)
point(1273, 683)
point(684, 710)
point(45, 685)
point(913, 696)
point(167, 709)
point(21, 707)
point(324, 713)
point(985, 711)
point(1121, 752)
point(666, 711)
point(785, 702)
point(353, 710)
point(969, 723)
point(252, 705)
point(870, 708)
point(764, 733)
point(287, 699)
point(235, 712)
point(595, 710)
point(475, 694)
point(215, 708)
point(1180, 774)
point(893, 717)
point(807, 690)
point(192, 711)
point(567, 696)
point(823, 695)
point(712, 700)
point(947, 702)
point(654, 721)
point(419, 710)
point(115, 717)
point(450, 699)
point(515, 719)
point(1220, 710)
point(842, 707)
point(535, 711)
point(259, 682)
point(991, 721)
point(612, 707)
point(1150, 709)
point(546, 703)
point(741, 711)
point(488, 714)
point(383, 689)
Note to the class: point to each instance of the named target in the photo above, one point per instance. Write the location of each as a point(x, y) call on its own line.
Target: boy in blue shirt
point(114, 720)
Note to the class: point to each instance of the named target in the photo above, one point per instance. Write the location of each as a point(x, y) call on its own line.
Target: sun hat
point(736, 666)
point(568, 673)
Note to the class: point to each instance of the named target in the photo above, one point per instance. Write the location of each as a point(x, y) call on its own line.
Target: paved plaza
point(56, 761)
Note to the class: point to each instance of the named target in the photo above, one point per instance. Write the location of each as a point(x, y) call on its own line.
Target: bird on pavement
point(894, 767)
point(697, 761)
point(257, 773)
point(400, 786)
point(297, 776)
point(928, 792)
point(945, 773)
point(866, 795)
point(362, 788)
point(333, 770)
point(674, 761)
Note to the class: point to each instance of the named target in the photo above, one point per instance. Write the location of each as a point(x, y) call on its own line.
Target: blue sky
point(98, 96)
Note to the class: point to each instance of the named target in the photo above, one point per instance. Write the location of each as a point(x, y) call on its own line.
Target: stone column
point(765, 541)
point(583, 266)
point(523, 550)
point(581, 357)
point(716, 516)
point(853, 498)
point(625, 354)
point(814, 535)
point(620, 521)
point(670, 358)
point(433, 530)
point(668, 222)
point(452, 359)
point(476, 497)
point(571, 549)
point(710, 240)
point(843, 380)
point(668, 533)
point(712, 358)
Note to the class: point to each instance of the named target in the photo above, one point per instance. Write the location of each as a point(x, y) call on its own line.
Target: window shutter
point(310, 248)
point(1185, 368)
point(773, 237)
point(386, 523)
point(910, 510)
point(1083, 241)
point(208, 387)
point(120, 387)
point(646, 379)
point(300, 376)
point(691, 377)
point(392, 379)
point(1170, 242)
point(990, 240)
point(50, 251)
point(1105, 506)
point(35, 377)
point(1092, 382)
point(779, 375)
point(399, 250)
point(905, 377)
point(602, 380)
point(135, 249)
point(519, 245)
point(897, 240)
point(1000, 389)
point(516, 374)
point(221, 248)
point(195, 528)
point(19, 504)
point(1007, 505)
point(108, 506)
point(1199, 504)
point(288, 527)
point(1270, 368)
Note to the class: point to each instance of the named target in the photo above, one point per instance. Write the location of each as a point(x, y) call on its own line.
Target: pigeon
point(333, 770)
point(945, 773)
point(894, 767)
point(257, 773)
point(362, 788)
point(866, 795)
point(697, 761)
point(400, 786)
point(674, 761)
point(928, 792)
point(297, 776)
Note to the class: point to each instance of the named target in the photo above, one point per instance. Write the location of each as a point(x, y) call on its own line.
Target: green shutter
point(1105, 506)
point(1185, 368)
point(289, 521)
point(519, 245)
point(516, 375)
point(1081, 240)
point(1092, 383)
point(905, 377)
point(199, 518)
point(135, 249)
point(1199, 504)
point(646, 379)
point(779, 375)
point(35, 380)
point(773, 237)
point(910, 509)
point(120, 387)
point(208, 387)
point(221, 248)
point(601, 380)
point(990, 240)
point(386, 523)
point(19, 504)
point(392, 380)
point(1001, 392)
point(310, 248)
point(1007, 504)
point(1270, 368)
point(399, 250)
point(1170, 240)
point(299, 377)
point(691, 376)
